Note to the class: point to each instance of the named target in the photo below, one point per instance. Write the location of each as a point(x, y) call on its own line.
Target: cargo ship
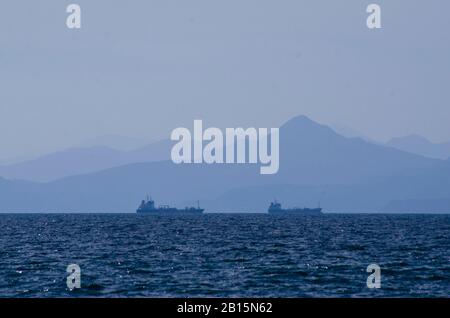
point(275, 208)
point(148, 206)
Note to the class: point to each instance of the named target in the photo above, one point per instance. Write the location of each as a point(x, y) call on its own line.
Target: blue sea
point(224, 255)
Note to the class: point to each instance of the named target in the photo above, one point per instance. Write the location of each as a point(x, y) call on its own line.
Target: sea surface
point(224, 255)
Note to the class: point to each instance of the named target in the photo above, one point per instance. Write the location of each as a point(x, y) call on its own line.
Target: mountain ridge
point(316, 164)
point(82, 160)
point(422, 146)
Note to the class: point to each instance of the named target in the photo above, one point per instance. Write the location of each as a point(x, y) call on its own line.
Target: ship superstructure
point(148, 206)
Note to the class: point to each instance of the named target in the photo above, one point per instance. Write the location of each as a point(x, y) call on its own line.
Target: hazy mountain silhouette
point(116, 142)
point(420, 145)
point(389, 194)
point(316, 164)
point(76, 161)
point(351, 133)
point(314, 154)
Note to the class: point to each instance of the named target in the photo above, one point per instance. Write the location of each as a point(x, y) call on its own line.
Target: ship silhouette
point(275, 208)
point(148, 206)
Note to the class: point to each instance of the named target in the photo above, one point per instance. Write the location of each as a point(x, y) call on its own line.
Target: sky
point(143, 68)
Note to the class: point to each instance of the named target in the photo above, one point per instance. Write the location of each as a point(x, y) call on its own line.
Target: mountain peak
point(303, 124)
point(301, 119)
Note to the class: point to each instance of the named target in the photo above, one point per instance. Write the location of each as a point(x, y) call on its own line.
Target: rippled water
point(129, 255)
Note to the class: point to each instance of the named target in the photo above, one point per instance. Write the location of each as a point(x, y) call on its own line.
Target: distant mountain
point(419, 145)
point(314, 154)
point(426, 192)
point(316, 164)
point(350, 133)
point(12, 160)
point(116, 142)
point(81, 161)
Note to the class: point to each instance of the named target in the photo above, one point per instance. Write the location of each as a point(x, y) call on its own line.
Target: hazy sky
point(143, 68)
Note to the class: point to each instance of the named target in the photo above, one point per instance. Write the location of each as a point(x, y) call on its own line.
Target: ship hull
point(170, 211)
